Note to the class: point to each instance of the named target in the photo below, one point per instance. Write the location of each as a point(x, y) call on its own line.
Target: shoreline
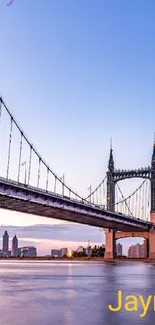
point(86, 259)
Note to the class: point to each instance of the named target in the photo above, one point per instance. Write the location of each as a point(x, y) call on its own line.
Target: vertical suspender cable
point(9, 151)
point(47, 179)
point(38, 172)
point(20, 154)
point(29, 173)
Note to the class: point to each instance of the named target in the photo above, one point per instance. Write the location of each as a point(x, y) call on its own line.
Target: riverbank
point(87, 259)
point(48, 258)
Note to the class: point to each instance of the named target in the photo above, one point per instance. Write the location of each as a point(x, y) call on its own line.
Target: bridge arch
point(135, 252)
point(122, 235)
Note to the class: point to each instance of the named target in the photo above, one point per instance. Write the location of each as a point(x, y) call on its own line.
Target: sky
point(74, 74)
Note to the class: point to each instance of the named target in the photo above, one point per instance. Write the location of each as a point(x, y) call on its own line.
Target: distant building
point(5, 243)
point(28, 251)
point(14, 251)
point(139, 249)
point(119, 250)
point(23, 252)
point(131, 251)
point(136, 251)
point(142, 250)
point(55, 252)
point(64, 252)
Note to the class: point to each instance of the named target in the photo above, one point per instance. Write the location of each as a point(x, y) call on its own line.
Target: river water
point(72, 293)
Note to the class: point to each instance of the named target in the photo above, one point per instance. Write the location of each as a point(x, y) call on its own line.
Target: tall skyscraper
point(5, 243)
point(14, 251)
point(119, 249)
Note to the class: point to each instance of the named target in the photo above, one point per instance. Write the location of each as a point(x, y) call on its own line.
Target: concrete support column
point(146, 248)
point(110, 244)
point(152, 245)
point(152, 237)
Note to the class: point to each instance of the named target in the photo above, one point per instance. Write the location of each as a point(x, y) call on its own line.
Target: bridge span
point(42, 192)
point(22, 198)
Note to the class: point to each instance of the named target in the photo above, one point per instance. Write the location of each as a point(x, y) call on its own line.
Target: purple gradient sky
point(75, 73)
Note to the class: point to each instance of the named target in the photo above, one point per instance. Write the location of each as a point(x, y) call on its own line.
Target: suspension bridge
point(28, 184)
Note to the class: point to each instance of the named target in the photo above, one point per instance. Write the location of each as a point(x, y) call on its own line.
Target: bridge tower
point(110, 242)
point(152, 213)
point(110, 183)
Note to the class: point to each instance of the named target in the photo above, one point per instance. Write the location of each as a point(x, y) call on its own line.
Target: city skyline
point(121, 249)
point(43, 234)
point(11, 247)
point(92, 102)
point(58, 252)
point(134, 251)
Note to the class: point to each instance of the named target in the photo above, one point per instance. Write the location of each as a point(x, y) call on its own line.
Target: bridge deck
point(21, 198)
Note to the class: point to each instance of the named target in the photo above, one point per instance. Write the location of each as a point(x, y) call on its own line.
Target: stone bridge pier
point(110, 244)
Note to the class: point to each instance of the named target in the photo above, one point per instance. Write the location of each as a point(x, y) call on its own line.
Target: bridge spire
point(110, 182)
point(110, 143)
point(153, 155)
point(111, 159)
